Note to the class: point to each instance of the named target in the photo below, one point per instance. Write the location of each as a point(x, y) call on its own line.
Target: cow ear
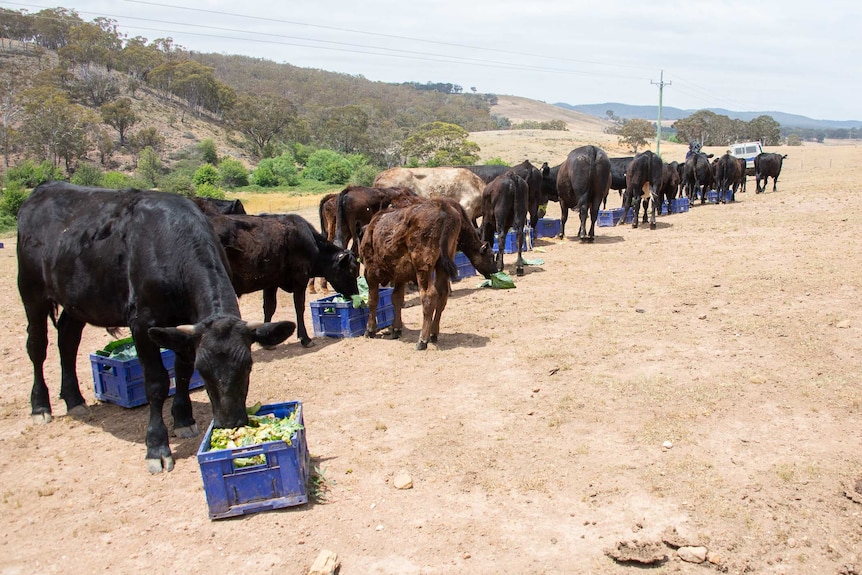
point(273, 333)
point(172, 337)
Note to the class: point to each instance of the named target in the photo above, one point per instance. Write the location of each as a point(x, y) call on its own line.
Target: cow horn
point(186, 329)
point(254, 324)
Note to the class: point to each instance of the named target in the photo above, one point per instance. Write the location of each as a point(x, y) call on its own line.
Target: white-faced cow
point(504, 206)
point(149, 261)
point(417, 243)
point(460, 184)
point(644, 173)
point(582, 183)
point(767, 165)
point(272, 251)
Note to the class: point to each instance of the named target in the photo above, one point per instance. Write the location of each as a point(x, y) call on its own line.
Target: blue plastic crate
point(465, 267)
point(341, 319)
point(122, 381)
point(679, 205)
point(511, 245)
point(727, 195)
point(547, 228)
point(609, 217)
point(279, 482)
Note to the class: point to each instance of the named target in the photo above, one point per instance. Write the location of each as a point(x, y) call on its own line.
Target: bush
point(87, 175)
point(280, 171)
point(149, 167)
point(29, 174)
point(496, 161)
point(13, 197)
point(327, 166)
point(364, 176)
point(206, 174)
point(207, 190)
point(232, 173)
point(116, 180)
point(178, 183)
point(208, 151)
point(8, 224)
point(794, 140)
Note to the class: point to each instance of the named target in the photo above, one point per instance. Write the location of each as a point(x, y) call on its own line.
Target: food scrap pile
point(260, 429)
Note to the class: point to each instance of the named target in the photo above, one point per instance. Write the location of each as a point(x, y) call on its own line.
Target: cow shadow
point(599, 239)
point(446, 340)
point(292, 349)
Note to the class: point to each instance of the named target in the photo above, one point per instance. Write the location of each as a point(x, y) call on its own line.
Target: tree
point(636, 133)
point(10, 109)
point(261, 118)
point(344, 129)
point(56, 129)
point(120, 116)
point(149, 166)
point(765, 129)
point(441, 144)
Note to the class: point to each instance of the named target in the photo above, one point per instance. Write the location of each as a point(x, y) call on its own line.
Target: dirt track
point(533, 431)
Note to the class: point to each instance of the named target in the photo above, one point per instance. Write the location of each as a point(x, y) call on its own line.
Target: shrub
point(87, 175)
point(264, 177)
point(232, 173)
point(206, 174)
point(364, 176)
point(29, 174)
point(12, 199)
point(207, 190)
point(149, 167)
point(282, 168)
point(327, 166)
point(209, 154)
point(178, 183)
point(116, 180)
point(496, 161)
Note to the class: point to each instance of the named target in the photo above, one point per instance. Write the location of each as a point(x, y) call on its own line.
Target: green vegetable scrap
point(499, 280)
point(119, 349)
point(260, 429)
point(359, 300)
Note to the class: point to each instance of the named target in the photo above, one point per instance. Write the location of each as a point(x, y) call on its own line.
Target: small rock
point(843, 324)
point(646, 553)
point(402, 481)
point(379, 528)
point(692, 554)
point(757, 379)
point(673, 539)
point(640, 310)
point(702, 316)
point(326, 563)
point(715, 558)
point(667, 444)
point(466, 556)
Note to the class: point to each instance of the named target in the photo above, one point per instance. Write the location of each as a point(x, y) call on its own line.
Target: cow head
point(223, 358)
point(345, 270)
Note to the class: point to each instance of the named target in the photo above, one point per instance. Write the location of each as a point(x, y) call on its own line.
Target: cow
point(727, 177)
point(618, 175)
point(460, 184)
point(150, 261)
point(217, 206)
point(697, 176)
point(271, 251)
point(356, 205)
point(504, 206)
point(537, 184)
point(767, 165)
point(583, 181)
point(644, 170)
point(326, 212)
point(742, 172)
point(669, 188)
point(418, 243)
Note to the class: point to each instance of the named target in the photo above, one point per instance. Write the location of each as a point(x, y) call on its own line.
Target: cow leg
point(500, 238)
point(37, 349)
point(656, 205)
point(156, 384)
point(442, 285)
point(398, 305)
point(373, 300)
point(519, 263)
point(68, 340)
point(637, 209)
point(270, 302)
point(564, 215)
point(775, 184)
point(299, 308)
point(428, 297)
point(582, 230)
point(627, 200)
point(181, 409)
point(646, 205)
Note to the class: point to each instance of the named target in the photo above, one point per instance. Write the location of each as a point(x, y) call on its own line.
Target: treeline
point(820, 134)
point(713, 129)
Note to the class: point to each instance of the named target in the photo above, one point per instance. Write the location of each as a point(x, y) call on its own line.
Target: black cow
point(696, 176)
point(212, 206)
point(149, 261)
point(767, 165)
point(538, 181)
point(645, 169)
point(670, 177)
point(504, 206)
point(583, 181)
point(272, 251)
point(618, 174)
point(727, 177)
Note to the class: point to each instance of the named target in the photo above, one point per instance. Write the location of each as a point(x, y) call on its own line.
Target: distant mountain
point(671, 113)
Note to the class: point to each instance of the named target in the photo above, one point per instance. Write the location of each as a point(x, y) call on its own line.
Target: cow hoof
point(635, 225)
point(421, 345)
point(187, 432)
point(80, 411)
point(394, 333)
point(652, 226)
point(433, 338)
point(156, 466)
point(306, 342)
point(519, 271)
point(369, 333)
point(42, 418)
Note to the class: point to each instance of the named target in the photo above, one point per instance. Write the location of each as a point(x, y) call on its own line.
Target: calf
point(504, 206)
point(149, 261)
point(273, 251)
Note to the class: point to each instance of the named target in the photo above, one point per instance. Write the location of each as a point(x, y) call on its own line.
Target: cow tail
point(451, 226)
point(340, 217)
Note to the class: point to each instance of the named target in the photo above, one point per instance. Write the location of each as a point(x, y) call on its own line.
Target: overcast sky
point(775, 55)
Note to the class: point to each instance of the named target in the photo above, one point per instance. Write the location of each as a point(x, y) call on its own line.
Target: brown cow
point(460, 184)
point(356, 205)
point(326, 212)
point(418, 243)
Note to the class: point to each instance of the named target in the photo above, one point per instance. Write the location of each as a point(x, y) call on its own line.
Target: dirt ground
point(703, 377)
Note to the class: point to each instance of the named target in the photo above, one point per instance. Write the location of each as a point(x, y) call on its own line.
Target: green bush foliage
point(207, 190)
point(178, 183)
point(264, 177)
point(329, 166)
point(149, 167)
point(87, 175)
point(364, 176)
point(207, 149)
point(279, 171)
point(232, 173)
point(29, 174)
point(13, 197)
point(206, 174)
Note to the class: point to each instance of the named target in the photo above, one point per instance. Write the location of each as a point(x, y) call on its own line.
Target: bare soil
point(694, 385)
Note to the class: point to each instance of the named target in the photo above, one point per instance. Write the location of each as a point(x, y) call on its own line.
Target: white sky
point(788, 56)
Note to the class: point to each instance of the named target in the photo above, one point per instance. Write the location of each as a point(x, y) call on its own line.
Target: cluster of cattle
point(171, 269)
